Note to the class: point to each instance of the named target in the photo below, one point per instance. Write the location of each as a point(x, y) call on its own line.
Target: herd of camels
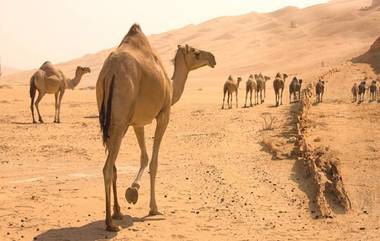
point(256, 84)
point(133, 89)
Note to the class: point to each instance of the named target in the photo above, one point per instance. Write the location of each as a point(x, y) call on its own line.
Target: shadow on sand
point(91, 231)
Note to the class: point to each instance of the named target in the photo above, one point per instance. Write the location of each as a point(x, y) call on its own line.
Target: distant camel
point(362, 90)
point(266, 78)
point(250, 87)
point(261, 87)
point(320, 90)
point(133, 89)
point(231, 86)
point(373, 91)
point(278, 86)
point(50, 80)
point(355, 91)
point(294, 88)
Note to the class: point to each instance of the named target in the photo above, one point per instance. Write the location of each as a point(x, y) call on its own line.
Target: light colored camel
point(261, 87)
point(294, 88)
point(320, 90)
point(50, 80)
point(278, 86)
point(231, 86)
point(133, 89)
point(250, 87)
point(355, 91)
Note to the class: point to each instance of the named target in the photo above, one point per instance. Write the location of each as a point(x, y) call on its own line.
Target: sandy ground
point(216, 180)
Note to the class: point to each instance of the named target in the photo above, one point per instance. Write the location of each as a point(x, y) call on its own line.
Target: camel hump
point(135, 29)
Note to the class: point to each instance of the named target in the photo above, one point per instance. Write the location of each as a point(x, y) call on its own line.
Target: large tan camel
point(249, 88)
point(132, 89)
point(50, 80)
point(278, 86)
point(231, 86)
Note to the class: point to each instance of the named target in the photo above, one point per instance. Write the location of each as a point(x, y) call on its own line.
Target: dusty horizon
point(80, 29)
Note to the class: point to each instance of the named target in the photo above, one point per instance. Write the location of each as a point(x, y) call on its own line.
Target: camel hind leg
point(224, 97)
point(109, 174)
point(39, 98)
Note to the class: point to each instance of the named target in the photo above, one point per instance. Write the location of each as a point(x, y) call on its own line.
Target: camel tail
point(105, 111)
point(32, 88)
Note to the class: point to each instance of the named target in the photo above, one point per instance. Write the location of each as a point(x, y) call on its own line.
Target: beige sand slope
point(262, 42)
point(216, 180)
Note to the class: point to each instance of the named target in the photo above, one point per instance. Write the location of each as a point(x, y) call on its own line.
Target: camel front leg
point(237, 103)
point(113, 146)
point(132, 192)
point(282, 90)
point(229, 100)
point(55, 107)
point(250, 98)
point(39, 98)
point(246, 96)
point(61, 93)
point(162, 123)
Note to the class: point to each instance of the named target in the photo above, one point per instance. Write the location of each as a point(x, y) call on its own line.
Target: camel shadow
point(91, 117)
point(92, 231)
point(26, 123)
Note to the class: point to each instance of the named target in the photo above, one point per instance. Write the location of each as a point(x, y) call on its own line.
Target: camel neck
point(179, 76)
point(72, 83)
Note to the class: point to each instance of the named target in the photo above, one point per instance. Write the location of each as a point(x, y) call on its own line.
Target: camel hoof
point(34, 122)
point(131, 195)
point(154, 213)
point(41, 121)
point(112, 228)
point(117, 216)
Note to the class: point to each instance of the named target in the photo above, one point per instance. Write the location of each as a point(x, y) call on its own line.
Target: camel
point(294, 88)
point(320, 89)
point(132, 89)
point(278, 86)
point(362, 90)
point(373, 91)
point(50, 80)
point(231, 86)
point(250, 87)
point(354, 92)
point(261, 87)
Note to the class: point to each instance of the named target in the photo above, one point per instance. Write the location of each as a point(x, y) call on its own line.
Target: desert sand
point(216, 179)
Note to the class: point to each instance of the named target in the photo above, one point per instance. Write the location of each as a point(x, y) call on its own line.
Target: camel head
point(250, 76)
point(239, 79)
point(300, 81)
point(80, 71)
point(196, 58)
point(266, 78)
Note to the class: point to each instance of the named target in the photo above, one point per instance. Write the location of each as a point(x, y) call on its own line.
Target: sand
point(217, 180)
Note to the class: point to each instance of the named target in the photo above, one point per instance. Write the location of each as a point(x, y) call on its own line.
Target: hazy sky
point(32, 31)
